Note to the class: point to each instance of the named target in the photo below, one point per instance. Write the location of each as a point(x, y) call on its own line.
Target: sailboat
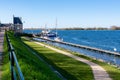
point(48, 33)
point(57, 38)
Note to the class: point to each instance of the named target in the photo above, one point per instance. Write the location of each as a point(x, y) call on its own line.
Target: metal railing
point(16, 73)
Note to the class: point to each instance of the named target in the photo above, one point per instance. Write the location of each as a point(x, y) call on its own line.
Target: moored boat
point(58, 39)
point(48, 33)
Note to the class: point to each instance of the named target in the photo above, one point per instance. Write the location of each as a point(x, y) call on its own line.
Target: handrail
point(13, 62)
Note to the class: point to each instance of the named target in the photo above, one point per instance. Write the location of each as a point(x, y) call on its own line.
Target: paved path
point(98, 71)
point(1, 49)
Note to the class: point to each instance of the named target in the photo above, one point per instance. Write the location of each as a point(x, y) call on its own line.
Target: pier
point(85, 47)
point(109, 57)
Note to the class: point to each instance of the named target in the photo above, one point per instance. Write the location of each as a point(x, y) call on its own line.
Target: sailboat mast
point(56, 22)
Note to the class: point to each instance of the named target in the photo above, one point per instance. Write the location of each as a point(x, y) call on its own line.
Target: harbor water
point(106, 40)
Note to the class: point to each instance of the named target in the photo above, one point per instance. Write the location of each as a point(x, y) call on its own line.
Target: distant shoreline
point(112, 28)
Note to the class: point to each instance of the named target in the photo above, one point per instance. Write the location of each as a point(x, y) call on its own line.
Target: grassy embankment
point(113, 71)
point(31, 66)
point(68, 67)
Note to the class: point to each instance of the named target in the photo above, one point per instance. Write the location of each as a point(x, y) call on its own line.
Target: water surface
point(104, 39)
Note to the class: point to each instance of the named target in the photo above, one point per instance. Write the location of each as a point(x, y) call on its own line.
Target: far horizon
point(70, 13)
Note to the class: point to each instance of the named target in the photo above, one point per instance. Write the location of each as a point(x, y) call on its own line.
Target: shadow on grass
point(50, 62)
point(53, 61)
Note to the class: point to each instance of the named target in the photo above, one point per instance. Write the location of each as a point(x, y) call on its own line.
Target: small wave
point(76, 39)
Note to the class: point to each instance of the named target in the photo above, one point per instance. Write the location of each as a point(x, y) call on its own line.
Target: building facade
point(5, 26)
point(18, 25)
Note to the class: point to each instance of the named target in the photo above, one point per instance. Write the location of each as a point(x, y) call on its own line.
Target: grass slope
point(31, 66)
point(113, 71)
point(68, 67)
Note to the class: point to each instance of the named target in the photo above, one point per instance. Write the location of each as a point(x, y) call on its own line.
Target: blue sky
point(70, 13)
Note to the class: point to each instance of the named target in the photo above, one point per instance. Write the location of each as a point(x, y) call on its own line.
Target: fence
point(16, 73)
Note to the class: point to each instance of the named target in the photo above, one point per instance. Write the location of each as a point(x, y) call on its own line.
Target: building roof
point(17, 20)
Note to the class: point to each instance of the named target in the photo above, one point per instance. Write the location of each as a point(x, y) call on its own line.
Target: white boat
point(48, 33)
point(58, 39)
point(45, 31)
point(45, 37)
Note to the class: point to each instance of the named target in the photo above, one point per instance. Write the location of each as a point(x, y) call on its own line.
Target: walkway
point(1, 49)
point(98, 71)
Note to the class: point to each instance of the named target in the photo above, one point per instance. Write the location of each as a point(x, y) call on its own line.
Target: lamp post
point(114, 55)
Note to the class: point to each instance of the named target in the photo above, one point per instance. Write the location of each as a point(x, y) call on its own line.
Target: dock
point(84, 47)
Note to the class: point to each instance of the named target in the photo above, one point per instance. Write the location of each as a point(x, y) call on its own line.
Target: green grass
point(68, 67)
point(31, 66)
point(113, 71)
point(6, 65)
